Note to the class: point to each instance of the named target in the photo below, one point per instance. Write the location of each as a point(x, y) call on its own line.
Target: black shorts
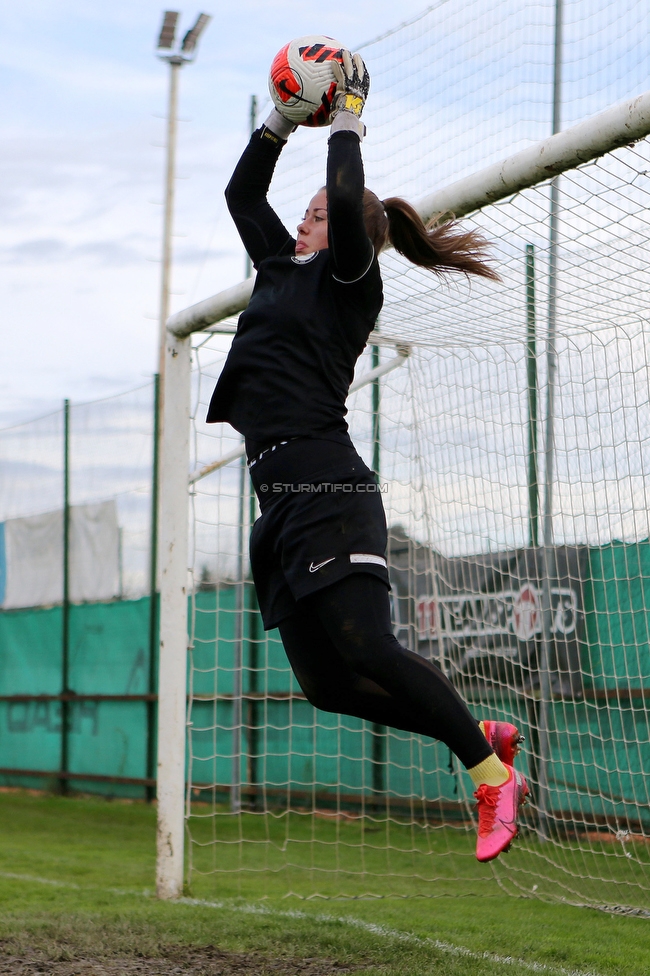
point(322, 519)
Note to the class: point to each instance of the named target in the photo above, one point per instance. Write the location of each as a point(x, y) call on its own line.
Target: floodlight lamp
point(168, 29)
point(191, 38)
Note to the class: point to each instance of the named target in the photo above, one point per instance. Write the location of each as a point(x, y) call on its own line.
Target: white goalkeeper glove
point(279, 126)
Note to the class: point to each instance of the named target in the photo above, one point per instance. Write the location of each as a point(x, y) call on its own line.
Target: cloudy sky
point(83, 105)
point(84, 99)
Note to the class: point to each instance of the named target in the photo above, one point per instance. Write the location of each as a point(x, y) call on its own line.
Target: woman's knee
point(325, 699)
point(319, 693)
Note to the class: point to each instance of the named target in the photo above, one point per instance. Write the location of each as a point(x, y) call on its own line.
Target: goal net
point(509, 426)
point(344, 808)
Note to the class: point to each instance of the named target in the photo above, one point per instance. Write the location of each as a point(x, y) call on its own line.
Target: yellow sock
point(490, 771)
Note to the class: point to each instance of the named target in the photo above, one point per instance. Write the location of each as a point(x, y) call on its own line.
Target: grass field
point(354, 857)
point(77, 897)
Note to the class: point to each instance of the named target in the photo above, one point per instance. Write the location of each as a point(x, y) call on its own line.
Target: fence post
point(65, 603)
point(238, 647)
point(172, 679)
point(531, 372)
point(549, 562)
point(153, 592)
point(377, 732)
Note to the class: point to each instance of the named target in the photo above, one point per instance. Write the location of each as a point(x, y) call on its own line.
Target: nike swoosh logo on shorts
point(314, 569)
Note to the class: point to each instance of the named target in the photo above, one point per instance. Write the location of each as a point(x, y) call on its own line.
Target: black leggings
point(342, 650)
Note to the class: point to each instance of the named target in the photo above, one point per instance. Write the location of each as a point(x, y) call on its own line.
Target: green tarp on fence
point(600, 747)
point(109, 656)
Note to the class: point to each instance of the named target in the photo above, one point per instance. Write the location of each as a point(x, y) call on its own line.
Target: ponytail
point(438, 245)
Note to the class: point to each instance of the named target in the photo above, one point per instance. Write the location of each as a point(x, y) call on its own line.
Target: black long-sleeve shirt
point(292, 359)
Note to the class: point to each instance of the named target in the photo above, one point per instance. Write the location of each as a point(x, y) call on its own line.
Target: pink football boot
point(504, 738)
point(498, 807)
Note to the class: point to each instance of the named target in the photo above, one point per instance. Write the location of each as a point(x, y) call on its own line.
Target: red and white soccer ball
point(301, 81)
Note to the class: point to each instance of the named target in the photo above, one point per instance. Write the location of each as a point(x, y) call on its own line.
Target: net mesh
point(455, 90)
point(330, 806)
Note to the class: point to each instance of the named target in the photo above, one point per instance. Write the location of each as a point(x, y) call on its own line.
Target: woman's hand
point(353, 84)
point(279, 126)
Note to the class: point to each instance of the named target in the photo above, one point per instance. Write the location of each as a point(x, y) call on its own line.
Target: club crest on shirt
point(298, 259)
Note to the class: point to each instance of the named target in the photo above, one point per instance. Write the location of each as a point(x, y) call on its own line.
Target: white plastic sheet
point(34, 557)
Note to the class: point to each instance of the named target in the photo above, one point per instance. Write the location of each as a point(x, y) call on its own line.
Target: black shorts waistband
point(304, 459)
point(252, 461)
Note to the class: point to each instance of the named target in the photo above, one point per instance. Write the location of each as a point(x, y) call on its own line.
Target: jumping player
point(318, 549)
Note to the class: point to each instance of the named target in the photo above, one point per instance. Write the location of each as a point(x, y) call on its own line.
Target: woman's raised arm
point(351, 251)
point(261, 230)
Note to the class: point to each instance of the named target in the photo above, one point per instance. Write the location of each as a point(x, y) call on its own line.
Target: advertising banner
point(480, 617)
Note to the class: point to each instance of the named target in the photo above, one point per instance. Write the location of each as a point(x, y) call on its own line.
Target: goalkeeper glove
point(353, 84)
point(279, 126)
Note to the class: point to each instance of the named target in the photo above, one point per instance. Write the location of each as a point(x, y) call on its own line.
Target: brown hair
point(437, 245)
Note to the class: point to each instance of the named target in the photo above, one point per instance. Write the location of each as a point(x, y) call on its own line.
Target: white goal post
point(620, 125)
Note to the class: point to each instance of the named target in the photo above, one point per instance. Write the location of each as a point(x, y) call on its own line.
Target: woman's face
point(312, 230)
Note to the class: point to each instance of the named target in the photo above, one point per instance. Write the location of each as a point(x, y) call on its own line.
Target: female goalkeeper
point(318, 549)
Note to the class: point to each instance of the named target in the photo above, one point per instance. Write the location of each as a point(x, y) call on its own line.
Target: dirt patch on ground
point(206, 961)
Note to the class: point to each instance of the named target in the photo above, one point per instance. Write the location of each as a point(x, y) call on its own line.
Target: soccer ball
point(301, 81)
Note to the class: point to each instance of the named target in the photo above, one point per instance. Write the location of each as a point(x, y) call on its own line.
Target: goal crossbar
point(617, 126)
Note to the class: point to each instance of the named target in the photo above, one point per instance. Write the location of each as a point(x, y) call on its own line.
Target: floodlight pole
point(176, 57)
point(175, 64)
point(173, 433)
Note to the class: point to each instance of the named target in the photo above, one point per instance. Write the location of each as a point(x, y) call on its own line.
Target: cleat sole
point(516, 743)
